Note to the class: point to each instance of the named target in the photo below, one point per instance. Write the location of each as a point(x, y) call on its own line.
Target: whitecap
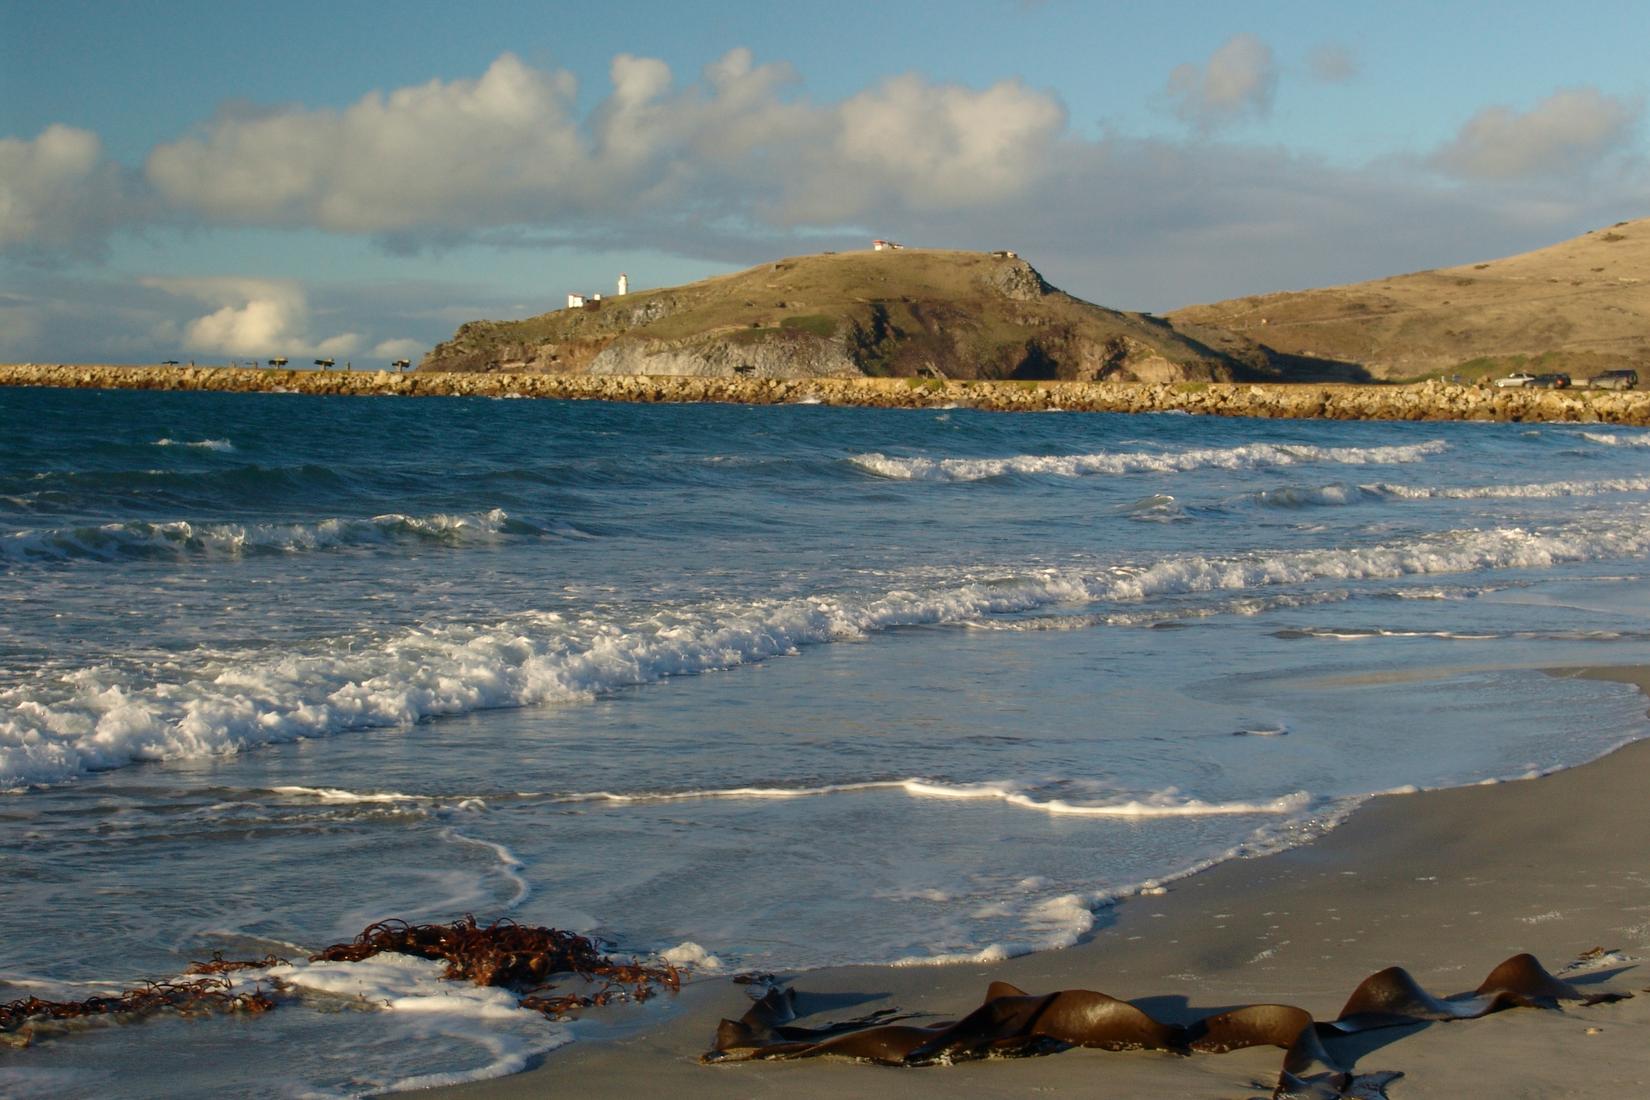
point(1247, 456)
point(108, 717)
point(202, 444)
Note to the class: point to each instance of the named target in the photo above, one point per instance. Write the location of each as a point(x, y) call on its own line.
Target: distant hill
point(912, 312)
point(1581, 306)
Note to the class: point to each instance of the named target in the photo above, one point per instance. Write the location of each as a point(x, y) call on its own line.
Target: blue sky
point(233, 180)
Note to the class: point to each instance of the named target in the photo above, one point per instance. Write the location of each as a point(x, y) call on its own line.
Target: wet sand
point(1446, 884)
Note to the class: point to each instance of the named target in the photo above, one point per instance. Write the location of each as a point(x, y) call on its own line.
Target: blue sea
point(747, 688)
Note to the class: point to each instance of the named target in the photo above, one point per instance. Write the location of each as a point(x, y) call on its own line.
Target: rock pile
point(1435, 400)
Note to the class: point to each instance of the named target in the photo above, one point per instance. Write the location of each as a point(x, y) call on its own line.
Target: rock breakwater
point(1433, 400)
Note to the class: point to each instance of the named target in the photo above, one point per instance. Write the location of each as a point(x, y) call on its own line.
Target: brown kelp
point(523, 958)
point(514, 956)
point(186, 997)
point(1013, 1023)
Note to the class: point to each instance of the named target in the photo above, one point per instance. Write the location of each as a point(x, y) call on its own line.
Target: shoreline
point(1433, 400)
point(1445, 883)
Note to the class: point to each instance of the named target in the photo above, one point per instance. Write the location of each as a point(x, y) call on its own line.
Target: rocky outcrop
point(1017, 280)
point(797, 355)
point(1426, 401)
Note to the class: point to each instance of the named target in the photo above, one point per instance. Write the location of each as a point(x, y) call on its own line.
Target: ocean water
point(755, 688)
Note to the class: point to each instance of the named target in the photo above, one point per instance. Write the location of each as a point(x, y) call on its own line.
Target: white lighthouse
point(624, 283)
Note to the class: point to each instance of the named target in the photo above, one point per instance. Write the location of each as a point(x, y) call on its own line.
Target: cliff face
point(912, 313)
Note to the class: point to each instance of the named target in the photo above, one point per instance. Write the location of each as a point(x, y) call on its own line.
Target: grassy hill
point(912, 312)
point(1581, 306)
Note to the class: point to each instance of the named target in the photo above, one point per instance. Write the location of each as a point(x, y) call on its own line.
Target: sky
point(229, 180)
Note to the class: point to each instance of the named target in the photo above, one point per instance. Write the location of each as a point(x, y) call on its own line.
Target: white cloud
point(432, 154)
point(506, 149)
point(255, 318)
point(58, 193)
point(1238, 81)
point(908, 144)
point(1565, 134)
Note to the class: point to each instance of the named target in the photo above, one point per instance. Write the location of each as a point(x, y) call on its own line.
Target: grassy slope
point(1582, 305)
point(897, 311)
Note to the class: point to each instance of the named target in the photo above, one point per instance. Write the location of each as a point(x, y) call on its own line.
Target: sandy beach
point(1446, 884)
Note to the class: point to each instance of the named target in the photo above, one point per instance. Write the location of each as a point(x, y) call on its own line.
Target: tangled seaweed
point(522, 958)
point(1012, 1023)
point(201, 995)
point(217, 964)
point(514, 956)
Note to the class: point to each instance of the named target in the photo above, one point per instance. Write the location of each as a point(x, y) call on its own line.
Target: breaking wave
point(203, 444)
point(1296, 496)
point(1611, 439)
point(182, 538)
point(104, 717)
point(1248, 456)
point(1165, 803)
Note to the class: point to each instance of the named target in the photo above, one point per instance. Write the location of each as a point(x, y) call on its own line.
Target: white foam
point(1296, 496)
point(1246, 456)
point(1050, 923)
point(341, 796)
point(182, 538)
point(690, 956)
point(509, 865)
point(202, 444)
point(102, 717)
point(1165, 803)
point(1610, 439)
point(482, 1017)
point(1533, 491)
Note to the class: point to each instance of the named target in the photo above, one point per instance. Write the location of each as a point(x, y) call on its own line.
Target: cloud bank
point(741, 161)
point(507, 148)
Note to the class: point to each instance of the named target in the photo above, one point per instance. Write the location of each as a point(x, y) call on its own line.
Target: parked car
point(1615, 380)
point(1556, 381)
point(1519, 379)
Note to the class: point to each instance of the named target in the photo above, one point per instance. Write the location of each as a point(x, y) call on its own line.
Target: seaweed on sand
point(1012, 1023)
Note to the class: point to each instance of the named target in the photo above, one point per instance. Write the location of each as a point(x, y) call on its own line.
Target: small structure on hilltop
point(278, 361)
point(401, 364)
point(583, 301)
point(1006, 254)
point(886, 246)
point(624, 284)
